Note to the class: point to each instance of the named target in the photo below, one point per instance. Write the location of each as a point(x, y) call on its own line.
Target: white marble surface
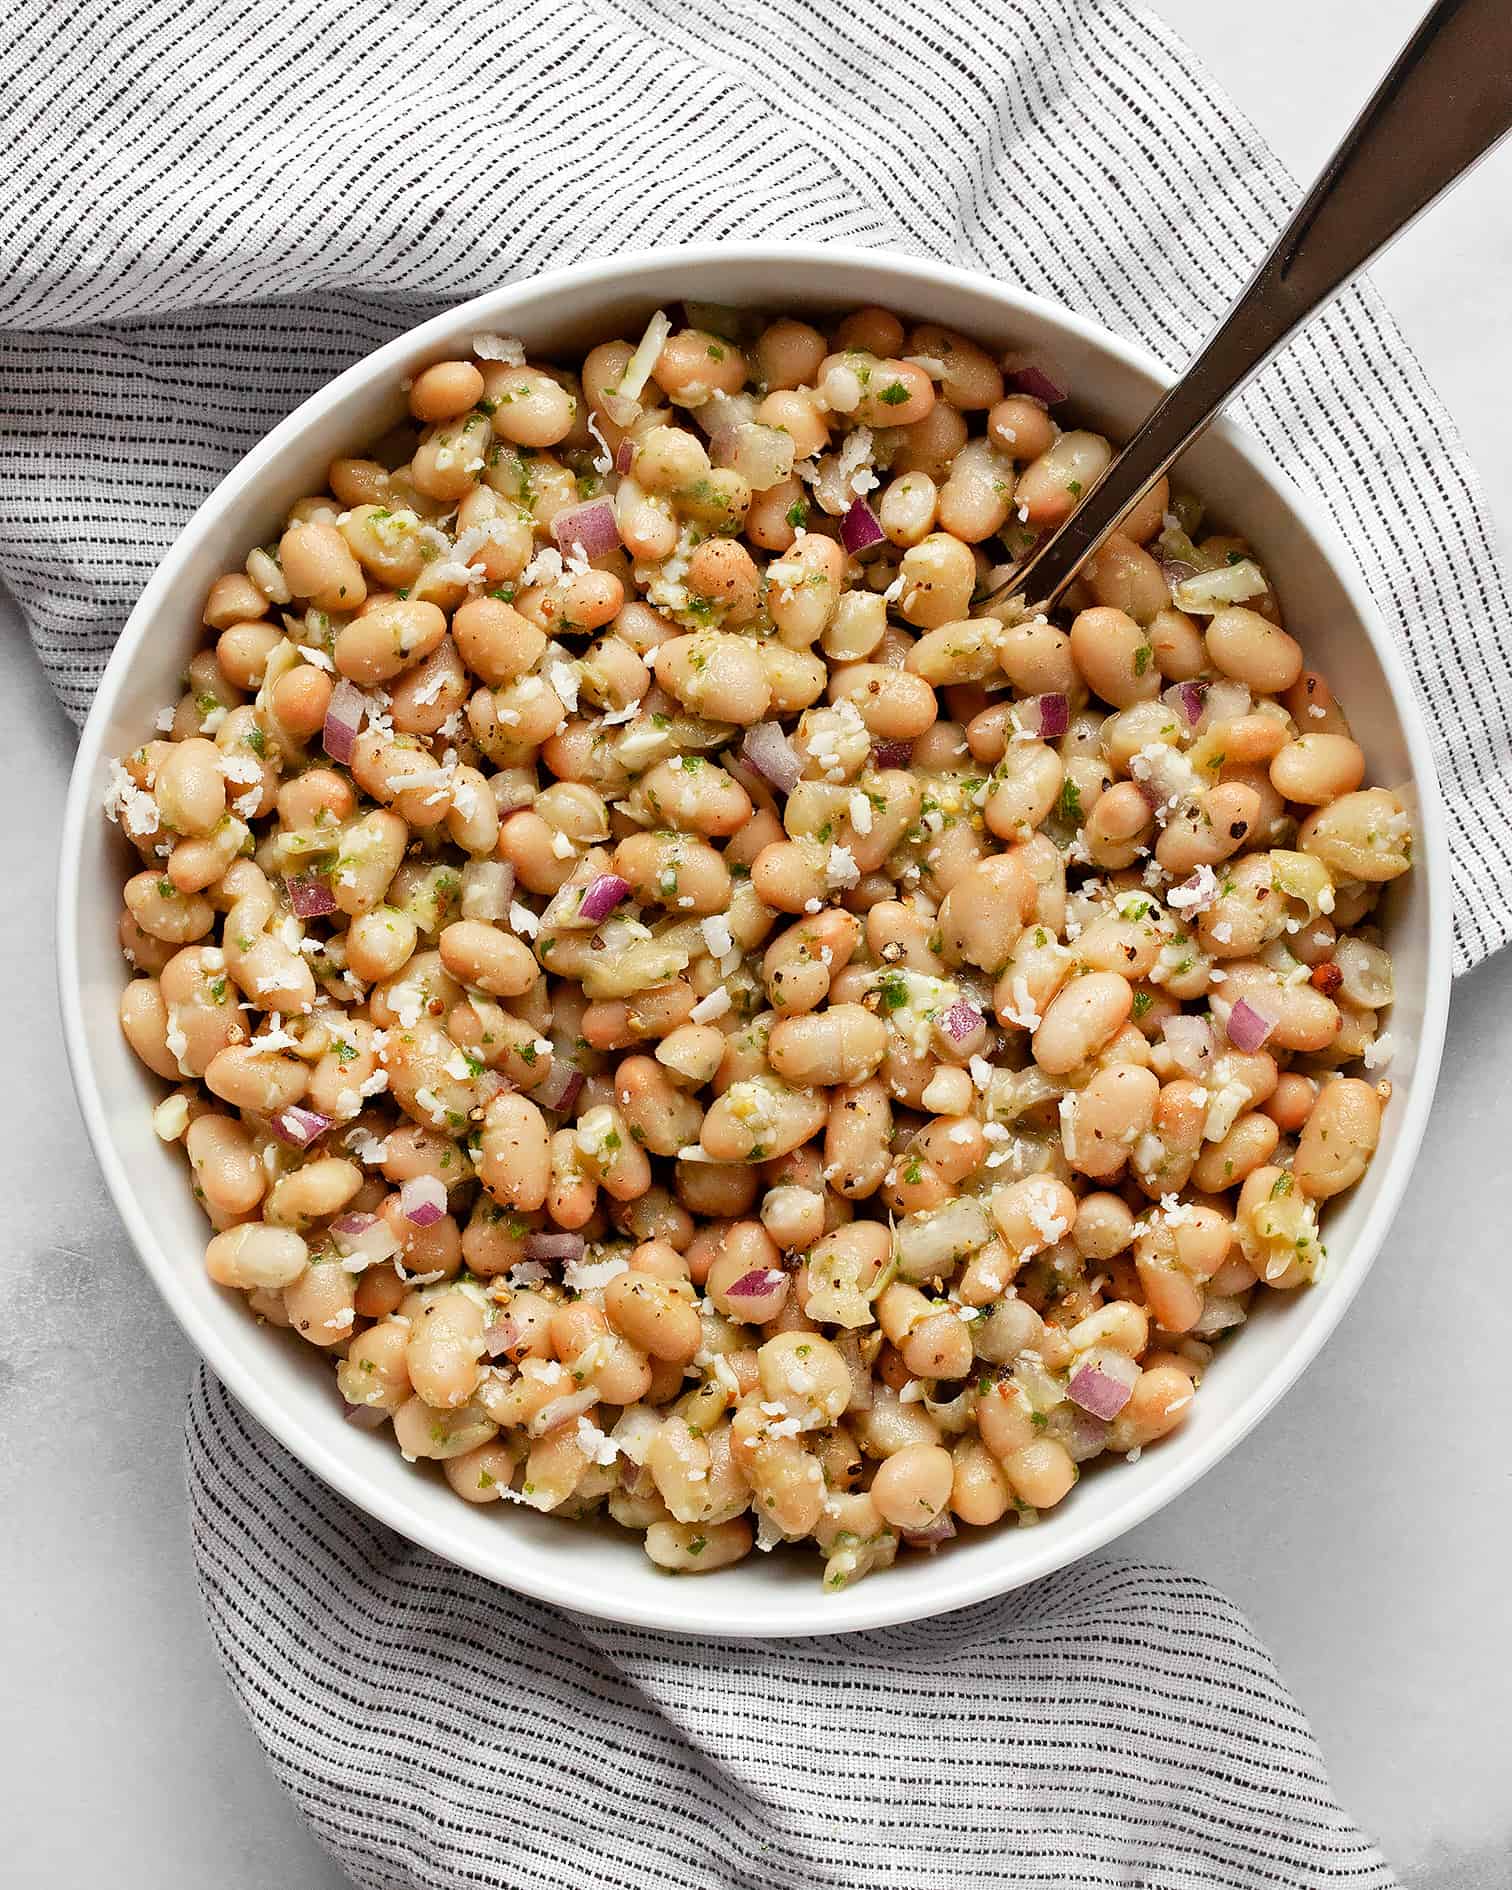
point(1365, 1527)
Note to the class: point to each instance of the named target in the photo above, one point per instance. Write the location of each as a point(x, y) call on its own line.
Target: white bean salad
point(699, 1022)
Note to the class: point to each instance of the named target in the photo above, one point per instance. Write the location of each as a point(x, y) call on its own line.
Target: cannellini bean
point(253, 1256)
point(514, 1161)
point(1080, 1020)
point(319, 1304)
point(1365, 835)
point(698, 1548)
point(842, 1045)
point(1338, 1139)
point(1243, 644)
point(1048, 489)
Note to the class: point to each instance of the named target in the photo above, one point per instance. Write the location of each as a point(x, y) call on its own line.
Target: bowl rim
point(872, 1605)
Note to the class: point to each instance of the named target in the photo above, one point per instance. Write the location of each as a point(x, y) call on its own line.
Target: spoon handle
point(1443, 105)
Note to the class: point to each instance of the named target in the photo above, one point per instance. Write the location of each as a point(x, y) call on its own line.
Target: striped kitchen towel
point(1113, 1727)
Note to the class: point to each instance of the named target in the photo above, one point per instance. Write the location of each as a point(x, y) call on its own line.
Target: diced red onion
point(343, 718)
point(757, 1284)
point(603, 894)
point(310, 896)
point(1153, 798)
point(1050, 714)
point(762, 455)
point(624, 453)
point(488, 1085)
point(299, 1127)
point(500, 1334)
point(558, 1088)
point(892, 754)
point(961, 1021)
point(1224, 700)
point(554, 1247)
point(1084, 1435)
point(1248, 1028)
point(422, 1200)
point(365, 1417)
point(1219, 1313)
point(573, 1404)
point(623, 403)
point(1186, 699)
point(848, 1345)
point(1097, 1392)
point(1165, 776)
point(589, 528)
point(942, 1529)
point(1023, 374)
point(364, 1234)
point(859, 529)
point(513, 789)
point(1178, 570)
point(487, 889)
point(772, 755)
point(1191, 1041)
point(1205, 593)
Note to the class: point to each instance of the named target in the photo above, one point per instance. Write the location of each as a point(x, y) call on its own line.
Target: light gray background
point(1365, 1527)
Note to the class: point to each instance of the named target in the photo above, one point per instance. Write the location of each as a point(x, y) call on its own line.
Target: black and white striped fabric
point(1112, 1726)
point(210, 209)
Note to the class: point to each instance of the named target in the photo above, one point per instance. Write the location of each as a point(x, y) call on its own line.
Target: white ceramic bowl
point(290, 1389)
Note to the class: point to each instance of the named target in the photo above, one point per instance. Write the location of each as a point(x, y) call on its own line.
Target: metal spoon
point(1441, 108)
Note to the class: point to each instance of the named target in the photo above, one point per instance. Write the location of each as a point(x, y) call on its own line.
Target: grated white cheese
point(505, 348)
point(717, 935)
point(131, 807)
point(1376, 1055)
point(595, 1446)
point(171, 1118)
point(704, 1012)
point(1021, 1010)
point(369, 1149)
point(544, 568)
point(855, 462)
point(586, 1276)
point(1197, 894)
point(1068, 1126)
point(523, 920)
point(841, 869)
point(564, 676)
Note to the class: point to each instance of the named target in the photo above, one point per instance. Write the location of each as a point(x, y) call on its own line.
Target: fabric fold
point(1115, 1724)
